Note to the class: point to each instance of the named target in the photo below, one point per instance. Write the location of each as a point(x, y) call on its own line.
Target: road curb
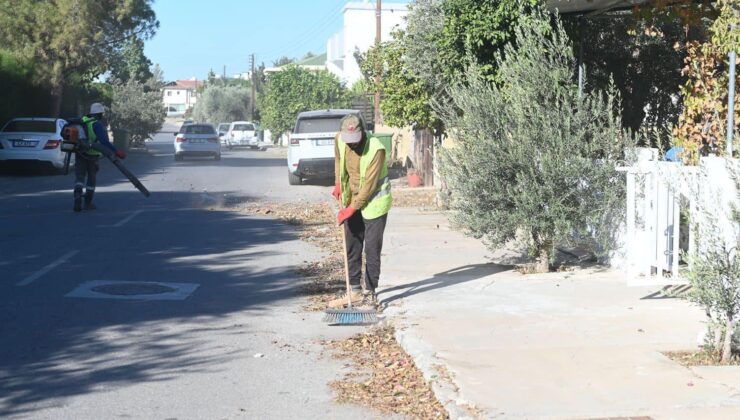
point(426, 360)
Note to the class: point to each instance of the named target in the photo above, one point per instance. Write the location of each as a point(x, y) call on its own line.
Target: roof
point(184, 84)
point(583, 6)
point(328, 113)
point(317, 60)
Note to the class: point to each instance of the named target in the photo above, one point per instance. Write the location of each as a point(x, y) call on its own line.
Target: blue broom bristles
point(350, 316)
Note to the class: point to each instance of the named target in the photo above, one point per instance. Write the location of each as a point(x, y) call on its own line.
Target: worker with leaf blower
point(363, 187)
point(86, 160)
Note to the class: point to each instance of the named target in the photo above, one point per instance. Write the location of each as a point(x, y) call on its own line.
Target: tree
point(130, 62)
point(295, 90)
point(68, 37)
point(533, 159)
point(702, 126)
point(137, 107)
point(220, 104)
point(715, 275)
point(404, 98)
point(643, 60)
point(282, 61)
point(446, 36)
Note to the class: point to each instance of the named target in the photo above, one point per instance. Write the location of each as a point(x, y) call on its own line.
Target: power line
point(307, 36)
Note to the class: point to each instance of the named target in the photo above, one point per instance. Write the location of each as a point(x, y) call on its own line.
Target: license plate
point(197, 141)
point(24, 143)
point(325, 142)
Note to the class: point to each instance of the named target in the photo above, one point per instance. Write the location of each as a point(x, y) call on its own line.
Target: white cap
point(97, 108)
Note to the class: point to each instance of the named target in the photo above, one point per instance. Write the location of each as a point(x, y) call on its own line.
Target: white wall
point(178, 97)
point(358, 33)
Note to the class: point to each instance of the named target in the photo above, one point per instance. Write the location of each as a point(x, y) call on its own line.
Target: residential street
point(222, 333)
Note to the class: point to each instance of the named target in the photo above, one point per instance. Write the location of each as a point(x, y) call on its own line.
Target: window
point(319, 125)
point(25, 126)
point(178, 92)
point(197, 129)
point(169, 93)
point(243, 127)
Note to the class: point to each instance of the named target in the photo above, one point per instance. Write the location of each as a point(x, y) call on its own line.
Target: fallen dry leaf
point(384, 378)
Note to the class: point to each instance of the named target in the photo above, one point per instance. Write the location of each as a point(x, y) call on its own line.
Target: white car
point(33, 139)
point(197, 140)
point(243, 133)
point(311, 151)
point(223, 131)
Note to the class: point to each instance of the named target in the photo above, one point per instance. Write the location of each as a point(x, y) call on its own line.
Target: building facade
point(358, 34)
point(180, 96)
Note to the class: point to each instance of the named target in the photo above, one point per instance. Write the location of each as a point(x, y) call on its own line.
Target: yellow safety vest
point(380, 201)
point(91, 137)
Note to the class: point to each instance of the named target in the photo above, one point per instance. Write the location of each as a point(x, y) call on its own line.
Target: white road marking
point(124, 221)
point(92, 290)
point(35, 276)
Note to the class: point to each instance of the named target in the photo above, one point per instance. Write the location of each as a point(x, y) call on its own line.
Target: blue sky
point(195, 35)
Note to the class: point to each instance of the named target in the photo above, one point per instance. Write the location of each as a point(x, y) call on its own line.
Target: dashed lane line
point(35, 276)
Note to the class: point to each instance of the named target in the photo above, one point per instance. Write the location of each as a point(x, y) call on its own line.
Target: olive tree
point(533, 160)
point(137, 106)
point(715, 275)
point(220, 104)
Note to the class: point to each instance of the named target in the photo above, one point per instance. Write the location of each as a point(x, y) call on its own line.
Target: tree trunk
point(727, 346)
point(56, 100)
point(718, 339)
point(543, 248)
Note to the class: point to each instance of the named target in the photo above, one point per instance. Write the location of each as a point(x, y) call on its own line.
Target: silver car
point(197, 140)
point(33, 140)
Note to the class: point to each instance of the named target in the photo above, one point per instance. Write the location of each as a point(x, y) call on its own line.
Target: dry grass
point(425, 198)
point(700, 358)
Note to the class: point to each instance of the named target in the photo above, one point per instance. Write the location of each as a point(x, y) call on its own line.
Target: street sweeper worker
point(86, 161)
point(364, 190)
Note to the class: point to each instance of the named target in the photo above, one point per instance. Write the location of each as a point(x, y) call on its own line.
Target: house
point(358, 34)
point(180, 96)
point(315, 63)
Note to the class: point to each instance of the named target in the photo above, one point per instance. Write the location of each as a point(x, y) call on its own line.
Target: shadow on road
point(55, 346)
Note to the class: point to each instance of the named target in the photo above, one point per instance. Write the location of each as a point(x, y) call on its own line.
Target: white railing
point(658, 195)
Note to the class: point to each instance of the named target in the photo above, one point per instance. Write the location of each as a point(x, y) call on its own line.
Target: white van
point(311, 150)
point(242, 133)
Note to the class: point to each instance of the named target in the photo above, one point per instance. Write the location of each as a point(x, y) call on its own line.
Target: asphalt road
point(223, 336)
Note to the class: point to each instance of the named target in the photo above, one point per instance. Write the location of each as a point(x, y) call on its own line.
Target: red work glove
point(337, 193)
point(345, 214)
point(120, 154)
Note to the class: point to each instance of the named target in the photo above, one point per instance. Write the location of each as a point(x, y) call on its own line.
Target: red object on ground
point(414, 180)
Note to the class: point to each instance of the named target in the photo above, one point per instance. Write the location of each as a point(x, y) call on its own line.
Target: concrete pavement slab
point(558, 345)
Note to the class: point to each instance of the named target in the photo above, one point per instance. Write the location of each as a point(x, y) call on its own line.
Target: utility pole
point(378, 12)
point(254, 91)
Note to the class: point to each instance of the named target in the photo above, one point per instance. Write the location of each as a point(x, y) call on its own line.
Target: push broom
point(349, 315)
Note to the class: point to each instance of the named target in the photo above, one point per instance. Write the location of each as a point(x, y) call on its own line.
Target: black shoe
point(78, 205)
point(90, 206)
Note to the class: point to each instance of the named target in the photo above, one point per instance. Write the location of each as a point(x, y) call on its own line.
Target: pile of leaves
point(384, 377)
point(314, 223)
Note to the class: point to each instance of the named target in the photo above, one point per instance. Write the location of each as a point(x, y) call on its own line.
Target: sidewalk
point(559, 345)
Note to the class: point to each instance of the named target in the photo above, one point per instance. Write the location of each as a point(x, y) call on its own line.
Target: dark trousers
point(367, 233)
point(86, 171)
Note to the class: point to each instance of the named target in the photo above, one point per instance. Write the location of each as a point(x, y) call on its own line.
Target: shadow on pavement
point(55, 346)
point(447, 278)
